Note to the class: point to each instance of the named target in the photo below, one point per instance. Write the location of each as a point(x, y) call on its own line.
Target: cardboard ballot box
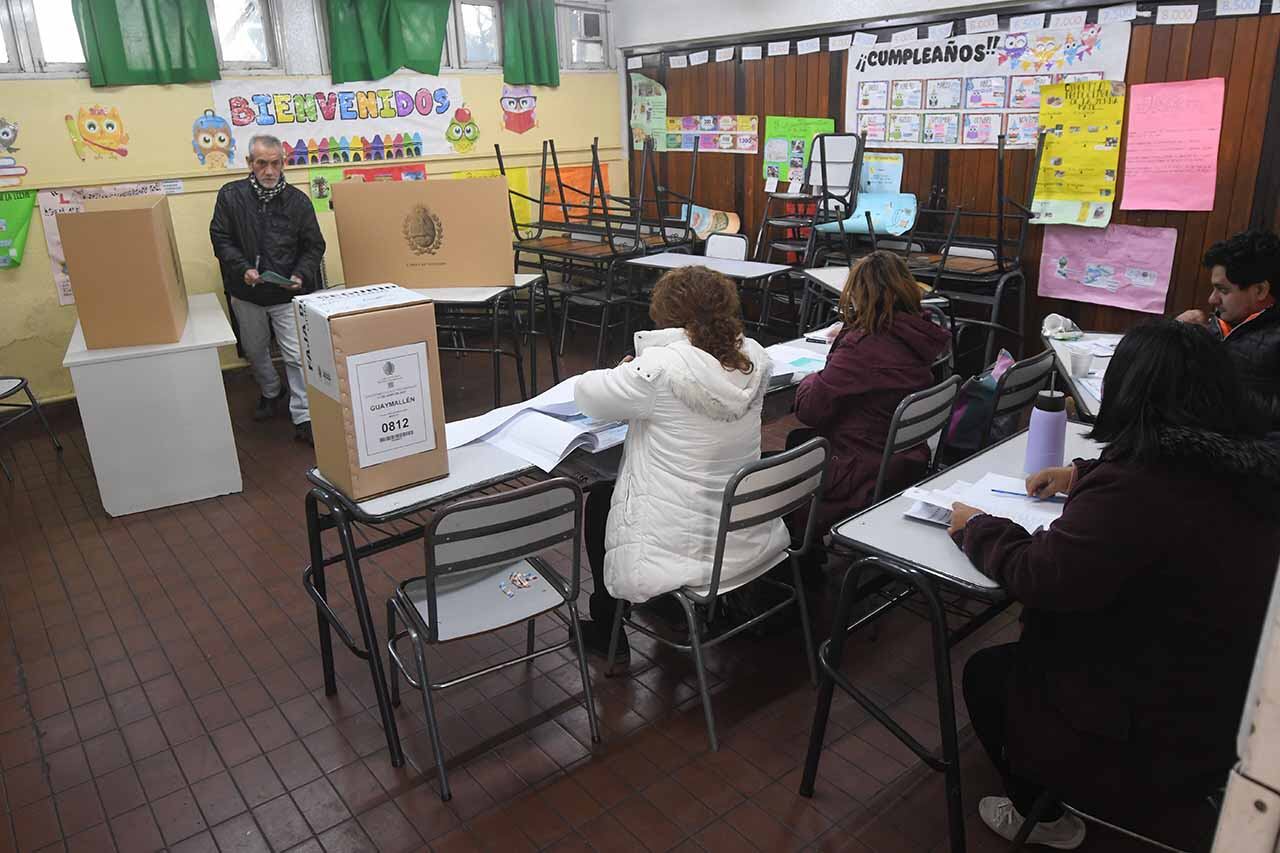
point(123, 262)
point(372, 364)
point(451, 233)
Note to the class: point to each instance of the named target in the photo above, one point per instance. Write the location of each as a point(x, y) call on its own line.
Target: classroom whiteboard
point(964, 91)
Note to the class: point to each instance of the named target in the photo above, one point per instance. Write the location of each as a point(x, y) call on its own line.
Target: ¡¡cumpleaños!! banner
point(964, 91)
point(409, 115)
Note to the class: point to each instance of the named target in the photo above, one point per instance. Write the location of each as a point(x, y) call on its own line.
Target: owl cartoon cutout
point(98, 131)
point(462, 132)
point(519, 109)
point(212, 142)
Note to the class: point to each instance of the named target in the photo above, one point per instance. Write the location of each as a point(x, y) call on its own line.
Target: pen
point(1022, 495)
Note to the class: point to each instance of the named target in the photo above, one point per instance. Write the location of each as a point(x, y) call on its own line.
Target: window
point(584, 36)
point(39, 36)
point(244, 34)
point(478, 32)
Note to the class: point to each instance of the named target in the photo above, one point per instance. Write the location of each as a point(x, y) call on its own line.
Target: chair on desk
point(761, 492)
point(729, 247)
point(9, 386)
point(474, 551)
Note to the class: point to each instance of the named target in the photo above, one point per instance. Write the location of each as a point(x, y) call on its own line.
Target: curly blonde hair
point(878, 286)
point(705, 304)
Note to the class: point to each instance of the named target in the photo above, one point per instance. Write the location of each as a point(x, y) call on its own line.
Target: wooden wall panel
point(1243, 50)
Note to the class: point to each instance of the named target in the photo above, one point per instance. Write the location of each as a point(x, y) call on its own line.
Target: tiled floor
point(160, 688)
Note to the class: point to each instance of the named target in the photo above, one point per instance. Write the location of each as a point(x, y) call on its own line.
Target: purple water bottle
point(1047, 434)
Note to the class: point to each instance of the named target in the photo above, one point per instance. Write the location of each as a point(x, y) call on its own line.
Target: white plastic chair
point(728, 247)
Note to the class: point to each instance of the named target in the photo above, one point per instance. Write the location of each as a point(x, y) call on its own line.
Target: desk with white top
point(472, 468)
point(740, 271)
point(922, 556)
point(827, 284)
point(492, 300)
point(1087, 403)
point(155, 417)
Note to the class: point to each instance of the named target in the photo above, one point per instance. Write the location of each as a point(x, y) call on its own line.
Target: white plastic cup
point(1081, 362)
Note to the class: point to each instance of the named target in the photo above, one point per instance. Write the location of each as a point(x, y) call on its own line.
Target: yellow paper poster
point(517, 180)
point(1077, 180)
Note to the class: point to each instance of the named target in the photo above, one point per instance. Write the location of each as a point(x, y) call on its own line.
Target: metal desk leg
point(317, 580)
point(495, 352)
point(517, 352)
point(533, 336)
point(369, 633)
point(551, 336)
point(946, 711)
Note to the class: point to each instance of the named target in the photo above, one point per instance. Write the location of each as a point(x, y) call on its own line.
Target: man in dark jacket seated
point(1244, 272)
point(269, 247)
point(1124, 693)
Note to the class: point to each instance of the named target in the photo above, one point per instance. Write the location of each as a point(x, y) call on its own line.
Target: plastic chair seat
point(472, 602)
point(9, 385)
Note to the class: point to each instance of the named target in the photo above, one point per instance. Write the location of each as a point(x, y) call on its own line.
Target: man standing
point(1244, 272)
point(269, 247)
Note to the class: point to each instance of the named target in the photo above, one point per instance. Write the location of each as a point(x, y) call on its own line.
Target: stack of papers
point(541, 431)
point(792, 361)
point(994, 494)
point(1091, 384)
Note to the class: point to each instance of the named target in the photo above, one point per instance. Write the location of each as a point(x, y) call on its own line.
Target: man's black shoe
point(302, 432)
point(267, 407)
point(595, 636)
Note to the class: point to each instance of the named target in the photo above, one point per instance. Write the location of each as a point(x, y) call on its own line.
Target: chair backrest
point(832, 158)
point(730, 247)
point(770, 489)
point(503, 528)
point(1017, 388)
point(918, 418)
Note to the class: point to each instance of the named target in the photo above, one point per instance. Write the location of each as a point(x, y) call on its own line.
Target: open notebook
point(991, 495)
point(545, 440)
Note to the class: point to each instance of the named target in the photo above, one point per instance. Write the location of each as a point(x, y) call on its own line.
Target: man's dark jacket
point(1254, 346)
point(282, 236)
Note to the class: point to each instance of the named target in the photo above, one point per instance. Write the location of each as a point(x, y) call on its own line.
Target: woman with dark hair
point(1142, 604)
point(885, 352)
point(691, 398)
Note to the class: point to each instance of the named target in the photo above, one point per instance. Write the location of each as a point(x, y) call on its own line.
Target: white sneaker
point(998, 813)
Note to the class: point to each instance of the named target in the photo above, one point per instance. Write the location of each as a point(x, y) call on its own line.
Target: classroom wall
point(34, 329)
point(1243, 50)
point(667, 21)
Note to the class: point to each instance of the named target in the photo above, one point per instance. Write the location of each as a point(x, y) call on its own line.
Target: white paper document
point(990, 494)
point(795, 361)
point(544, 440)
point(557, 401)
point(390, 398)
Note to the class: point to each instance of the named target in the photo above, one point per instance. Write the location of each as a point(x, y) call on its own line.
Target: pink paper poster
point(1126, 266)
point(1171, 154)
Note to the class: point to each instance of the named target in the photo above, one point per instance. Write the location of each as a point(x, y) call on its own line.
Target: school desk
point(391, 520)
point(923, 557)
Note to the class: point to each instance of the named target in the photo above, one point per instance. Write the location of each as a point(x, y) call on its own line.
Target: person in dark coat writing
point(1142, 604)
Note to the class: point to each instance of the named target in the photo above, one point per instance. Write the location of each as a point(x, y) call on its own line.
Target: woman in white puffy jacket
point(692, 398)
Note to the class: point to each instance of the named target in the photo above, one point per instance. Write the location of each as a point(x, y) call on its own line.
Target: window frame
point(9, 37)
point(458, 37)
point(567, 35)
point(275, 64)
point(28, 59)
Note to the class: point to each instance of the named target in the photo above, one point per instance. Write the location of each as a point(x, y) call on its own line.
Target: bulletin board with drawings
point(1240, 49)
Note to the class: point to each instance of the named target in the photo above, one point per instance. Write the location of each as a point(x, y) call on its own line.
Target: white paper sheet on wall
point(699, 58)
point(1064, 20)
point(751, 52)
point(839, 43)
point(1116, 14)
point(1168, 15)
point(779, 48)
point(634, 62)
point(981, 24)
point(678, 61)
point(941, 31)
point(905, 35)
point(865, 38)
point(1021, 23)
point(807, 46)
point(724, 54)
point(1239, 7)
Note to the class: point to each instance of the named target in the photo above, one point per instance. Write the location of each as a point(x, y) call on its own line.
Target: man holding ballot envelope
point(269, 246)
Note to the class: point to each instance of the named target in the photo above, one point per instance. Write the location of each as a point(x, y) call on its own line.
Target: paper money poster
point(718, 133)
point(1077, 180)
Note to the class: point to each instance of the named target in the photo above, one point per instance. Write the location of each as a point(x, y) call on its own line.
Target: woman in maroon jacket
point(884, 352)
point(1142, 604)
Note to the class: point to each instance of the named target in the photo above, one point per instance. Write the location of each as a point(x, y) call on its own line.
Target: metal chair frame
point(514, 549)
point(1017, 388)
point(32, 405)
point(688, 599)
point(928, 410)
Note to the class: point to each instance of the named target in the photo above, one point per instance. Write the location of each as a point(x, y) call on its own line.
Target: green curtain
point(370, 39)
point(529, 53)
point(131, 42)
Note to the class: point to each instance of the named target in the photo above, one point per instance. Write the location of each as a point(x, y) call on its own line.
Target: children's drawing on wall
point(519, 108)
point(212, 141)
point(462, 132)
point(98, 131)
point(10, 172)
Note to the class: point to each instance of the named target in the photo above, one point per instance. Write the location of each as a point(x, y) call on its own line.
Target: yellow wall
point(34, 329)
